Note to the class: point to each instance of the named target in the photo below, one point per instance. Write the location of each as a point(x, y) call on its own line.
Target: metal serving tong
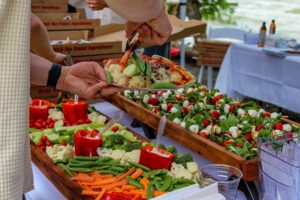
point(132, 45)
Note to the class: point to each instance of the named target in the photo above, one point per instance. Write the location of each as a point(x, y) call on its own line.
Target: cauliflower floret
point(56, 114)
point(179, 171)
point(57, 152)
point(97, 118)
point(192, 167)
point(133, 156)
point(118, 154)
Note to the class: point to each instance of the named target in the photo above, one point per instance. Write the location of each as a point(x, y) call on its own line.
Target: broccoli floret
point(114, 141)
point(133, 146)
point(185, 158)
point(162, 146)
point(172, 149)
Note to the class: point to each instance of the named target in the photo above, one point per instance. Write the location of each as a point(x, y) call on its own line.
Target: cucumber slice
point(54, 138)
point(59, 124)
point(130, 70)
point(163, 85)
point(109, 78)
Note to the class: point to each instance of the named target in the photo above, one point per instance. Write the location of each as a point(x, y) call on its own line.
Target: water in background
point(249, 15)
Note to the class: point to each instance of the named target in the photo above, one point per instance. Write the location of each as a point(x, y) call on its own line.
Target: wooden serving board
point(70, 189)
point(204, 147)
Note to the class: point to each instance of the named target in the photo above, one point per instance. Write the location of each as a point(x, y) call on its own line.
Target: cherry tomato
point(214, 114)
point(259, 127)
point(156, 110)
point(248, 136)
point(203, 134)
point(63, 143)
point(44, 123)
point(49, 120)
point(267, 114)
point(43, 148)
point(44, 139)
point(48, 143)
point(37, 125)
point(40, 144)
point(231, 109)
point(206, 123)
point(153, 101)
point(81, 121)
point(238, 105)
point(115, 128)
point(226, 143)
point(178, 98)
point(278, 126)
point(169, 106)
point(185, 109)
point(239, 144)
point(87, 121)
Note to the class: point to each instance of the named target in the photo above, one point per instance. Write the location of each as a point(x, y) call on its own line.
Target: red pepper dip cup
point(38, 109)
point(156, 158)
point(75, 111)
point(86, 142)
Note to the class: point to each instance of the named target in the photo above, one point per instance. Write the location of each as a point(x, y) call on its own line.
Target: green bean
point(133, 182)
point(83, 164)
point(73, 161)
point(82, 169)
point(108, 171)
point(139, 166)
point(176, 187)
point(66, 169)
point(150, 191)
point(86, 158)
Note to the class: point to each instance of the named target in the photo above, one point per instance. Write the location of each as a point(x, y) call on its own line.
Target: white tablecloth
point(248, 71)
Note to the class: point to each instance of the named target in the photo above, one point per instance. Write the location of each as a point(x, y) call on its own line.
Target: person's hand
point(86, 79)
point(154, 32)
point(96, 4)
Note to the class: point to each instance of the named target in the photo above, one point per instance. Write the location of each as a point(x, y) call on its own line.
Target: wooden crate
point(70, 189)
point(204, 147)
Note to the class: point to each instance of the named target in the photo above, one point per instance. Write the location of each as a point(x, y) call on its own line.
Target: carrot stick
point(117, 189)
point(137, 173)
point(128, 173)
point(99, 197)
point(158, 193)
point(137, 196)
point(102, 182)
point(128, 187)
point(84, 179)
point(89, 193)
point(145, 181)
point(143, 193)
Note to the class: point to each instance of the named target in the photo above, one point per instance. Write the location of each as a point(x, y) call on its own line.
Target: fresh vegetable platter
point(210, 123)
point(114, 165)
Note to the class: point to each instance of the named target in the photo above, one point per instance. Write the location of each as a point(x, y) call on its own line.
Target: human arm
point(85, 79)
point(39, 41)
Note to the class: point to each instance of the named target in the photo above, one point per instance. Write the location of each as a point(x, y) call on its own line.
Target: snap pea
point(153, 173)
point(150, 191)
point(133, 182)
point(166, 183)
point(118, 169)
point(102, 167)
point(108, 171)
point(82, 169)
point(176, 187)
point(86, 158)
point(139, 166)
point(66, 169)
point(83, 164)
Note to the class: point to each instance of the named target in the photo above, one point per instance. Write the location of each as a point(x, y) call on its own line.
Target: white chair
point(227, 35)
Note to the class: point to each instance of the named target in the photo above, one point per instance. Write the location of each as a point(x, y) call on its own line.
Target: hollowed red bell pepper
point(38, 109)
point(156, 158)
point(75, 111)
point(86, 142)
point(118, 196)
